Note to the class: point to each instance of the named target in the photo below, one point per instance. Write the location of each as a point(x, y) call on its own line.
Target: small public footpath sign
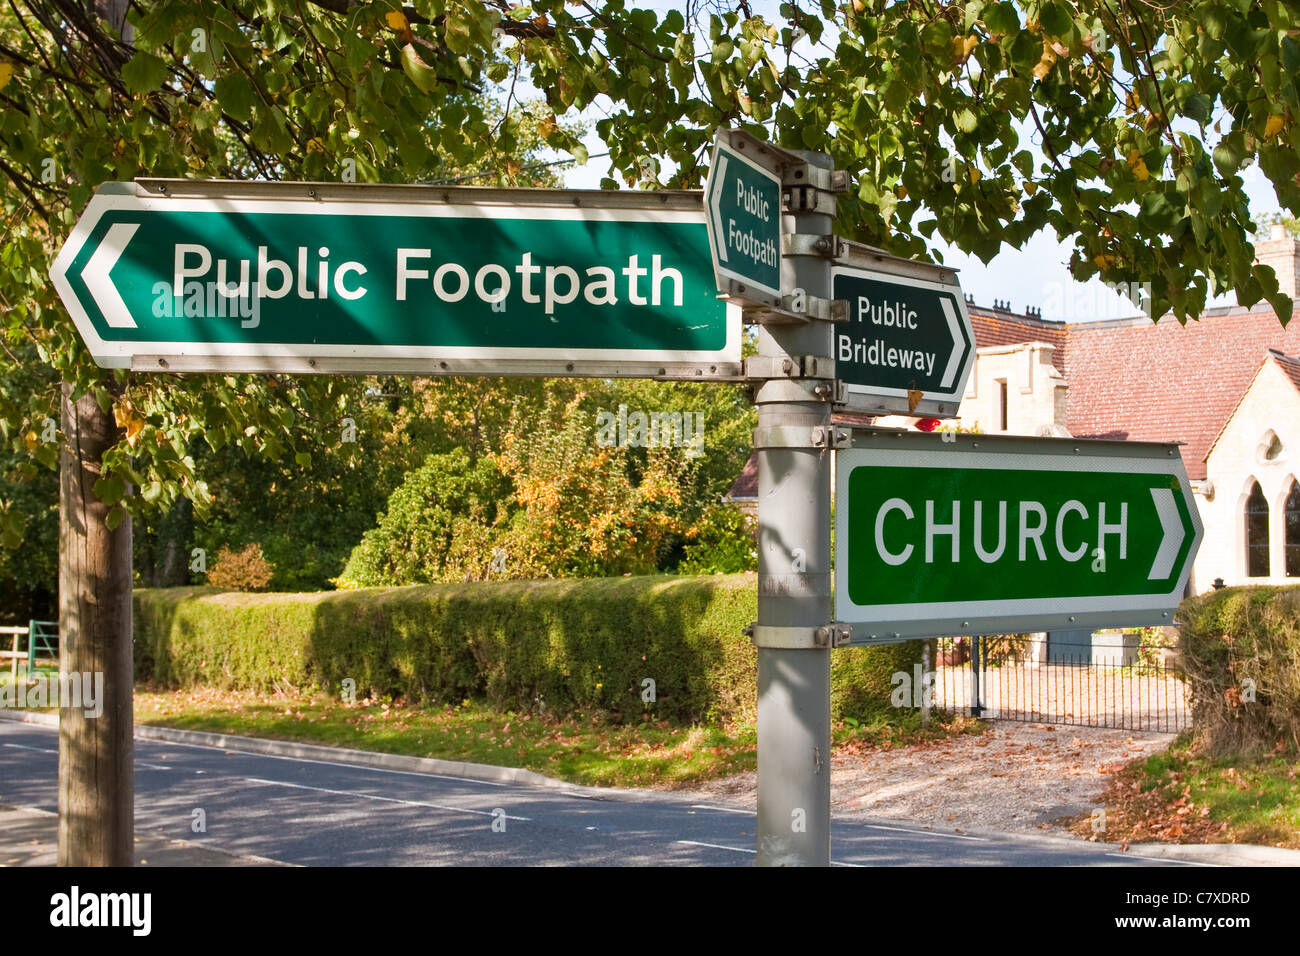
point(299, 277)
point(908, 346)
point(742, 197)
point(941, 535)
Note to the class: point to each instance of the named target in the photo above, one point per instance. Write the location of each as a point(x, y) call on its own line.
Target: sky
point(1033, 276)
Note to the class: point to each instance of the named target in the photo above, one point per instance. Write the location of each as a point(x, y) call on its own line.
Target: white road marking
point(371, 796)
point(934, 833)
point(873, 826)
point(1161, 860)
point(741, 849)
point(703, 806)
point(332, 763)
point(39, 750)
point(717, 846)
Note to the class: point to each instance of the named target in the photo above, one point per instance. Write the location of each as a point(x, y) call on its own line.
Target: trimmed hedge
point(1235, 644)
point(577, 645)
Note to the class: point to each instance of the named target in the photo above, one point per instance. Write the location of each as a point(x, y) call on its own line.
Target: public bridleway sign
point(979, 534)
point(908, 346)
point(301, 277)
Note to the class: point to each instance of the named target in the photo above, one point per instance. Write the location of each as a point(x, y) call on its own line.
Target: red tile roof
point(1161, 381)
point(1290, 366)
point(996, 327)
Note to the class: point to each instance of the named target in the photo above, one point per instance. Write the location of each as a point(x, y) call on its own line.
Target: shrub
point(1237, 644)
point(723, 542)
point(568, 646)
point(439, 526)
point(862, 679)
point(244, 570)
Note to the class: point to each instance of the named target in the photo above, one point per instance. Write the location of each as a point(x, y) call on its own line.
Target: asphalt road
point(326, 814)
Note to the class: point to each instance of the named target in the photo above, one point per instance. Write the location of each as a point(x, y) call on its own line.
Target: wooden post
point(96, 788)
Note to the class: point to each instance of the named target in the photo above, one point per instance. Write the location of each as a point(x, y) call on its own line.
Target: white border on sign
point(847, 460)
point(118, 354)
point(714, 238)
point(963, 373)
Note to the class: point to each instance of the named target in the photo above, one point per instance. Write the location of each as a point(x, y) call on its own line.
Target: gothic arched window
point(1257, 534)
point(1291, 513)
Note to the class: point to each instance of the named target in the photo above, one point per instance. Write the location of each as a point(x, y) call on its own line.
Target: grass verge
point(1179, 797)
point(585, 749)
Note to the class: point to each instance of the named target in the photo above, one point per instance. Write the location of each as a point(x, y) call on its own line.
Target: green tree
point(568, 500)
point(439, 525)
point(1146, 116)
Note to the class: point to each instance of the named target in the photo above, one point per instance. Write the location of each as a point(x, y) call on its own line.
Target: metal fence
point(1029, 683)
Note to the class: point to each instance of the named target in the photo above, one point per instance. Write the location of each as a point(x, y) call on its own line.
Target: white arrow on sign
point(957, 353)
point(100, 286)
point(715, 206)
point(1172, 525)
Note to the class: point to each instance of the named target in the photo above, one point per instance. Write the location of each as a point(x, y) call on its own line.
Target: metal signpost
point(985, 534)
point(770, 214)
point(908, 346)
point(298, 277)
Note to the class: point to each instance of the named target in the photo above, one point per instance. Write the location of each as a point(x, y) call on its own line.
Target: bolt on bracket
point(808, 199)
point(832, 436)
point(818, 637)
point(808, 244)
point(802, 436)
point(813, 307)
point(763, 367)
point(806, 174)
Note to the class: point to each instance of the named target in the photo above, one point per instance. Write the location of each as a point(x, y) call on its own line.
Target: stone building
point(1250, 497)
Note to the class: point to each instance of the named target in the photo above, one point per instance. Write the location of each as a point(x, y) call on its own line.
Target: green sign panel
point(743, 200)
point(987, 534)
point(261, 277)
point(906, 334)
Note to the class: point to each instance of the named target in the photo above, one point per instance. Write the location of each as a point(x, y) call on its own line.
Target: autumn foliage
point(243, 570)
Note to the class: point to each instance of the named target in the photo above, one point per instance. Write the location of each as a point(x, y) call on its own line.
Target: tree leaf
point(143, 73)
point(1002, 19)
point(235, 94)
point(417, 71)
point(1055, 19)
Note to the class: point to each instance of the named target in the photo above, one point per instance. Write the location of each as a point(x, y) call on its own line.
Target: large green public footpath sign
point(392, 277)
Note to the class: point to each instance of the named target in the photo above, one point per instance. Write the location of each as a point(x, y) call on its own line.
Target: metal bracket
point(834, 634)
point(763, 367)
point(838, 394)
point(806, 174)
point(832, 436)
point(807, 200)
point(802, 436)
point(806, 244)
point(747, 294)
point(814, 307)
